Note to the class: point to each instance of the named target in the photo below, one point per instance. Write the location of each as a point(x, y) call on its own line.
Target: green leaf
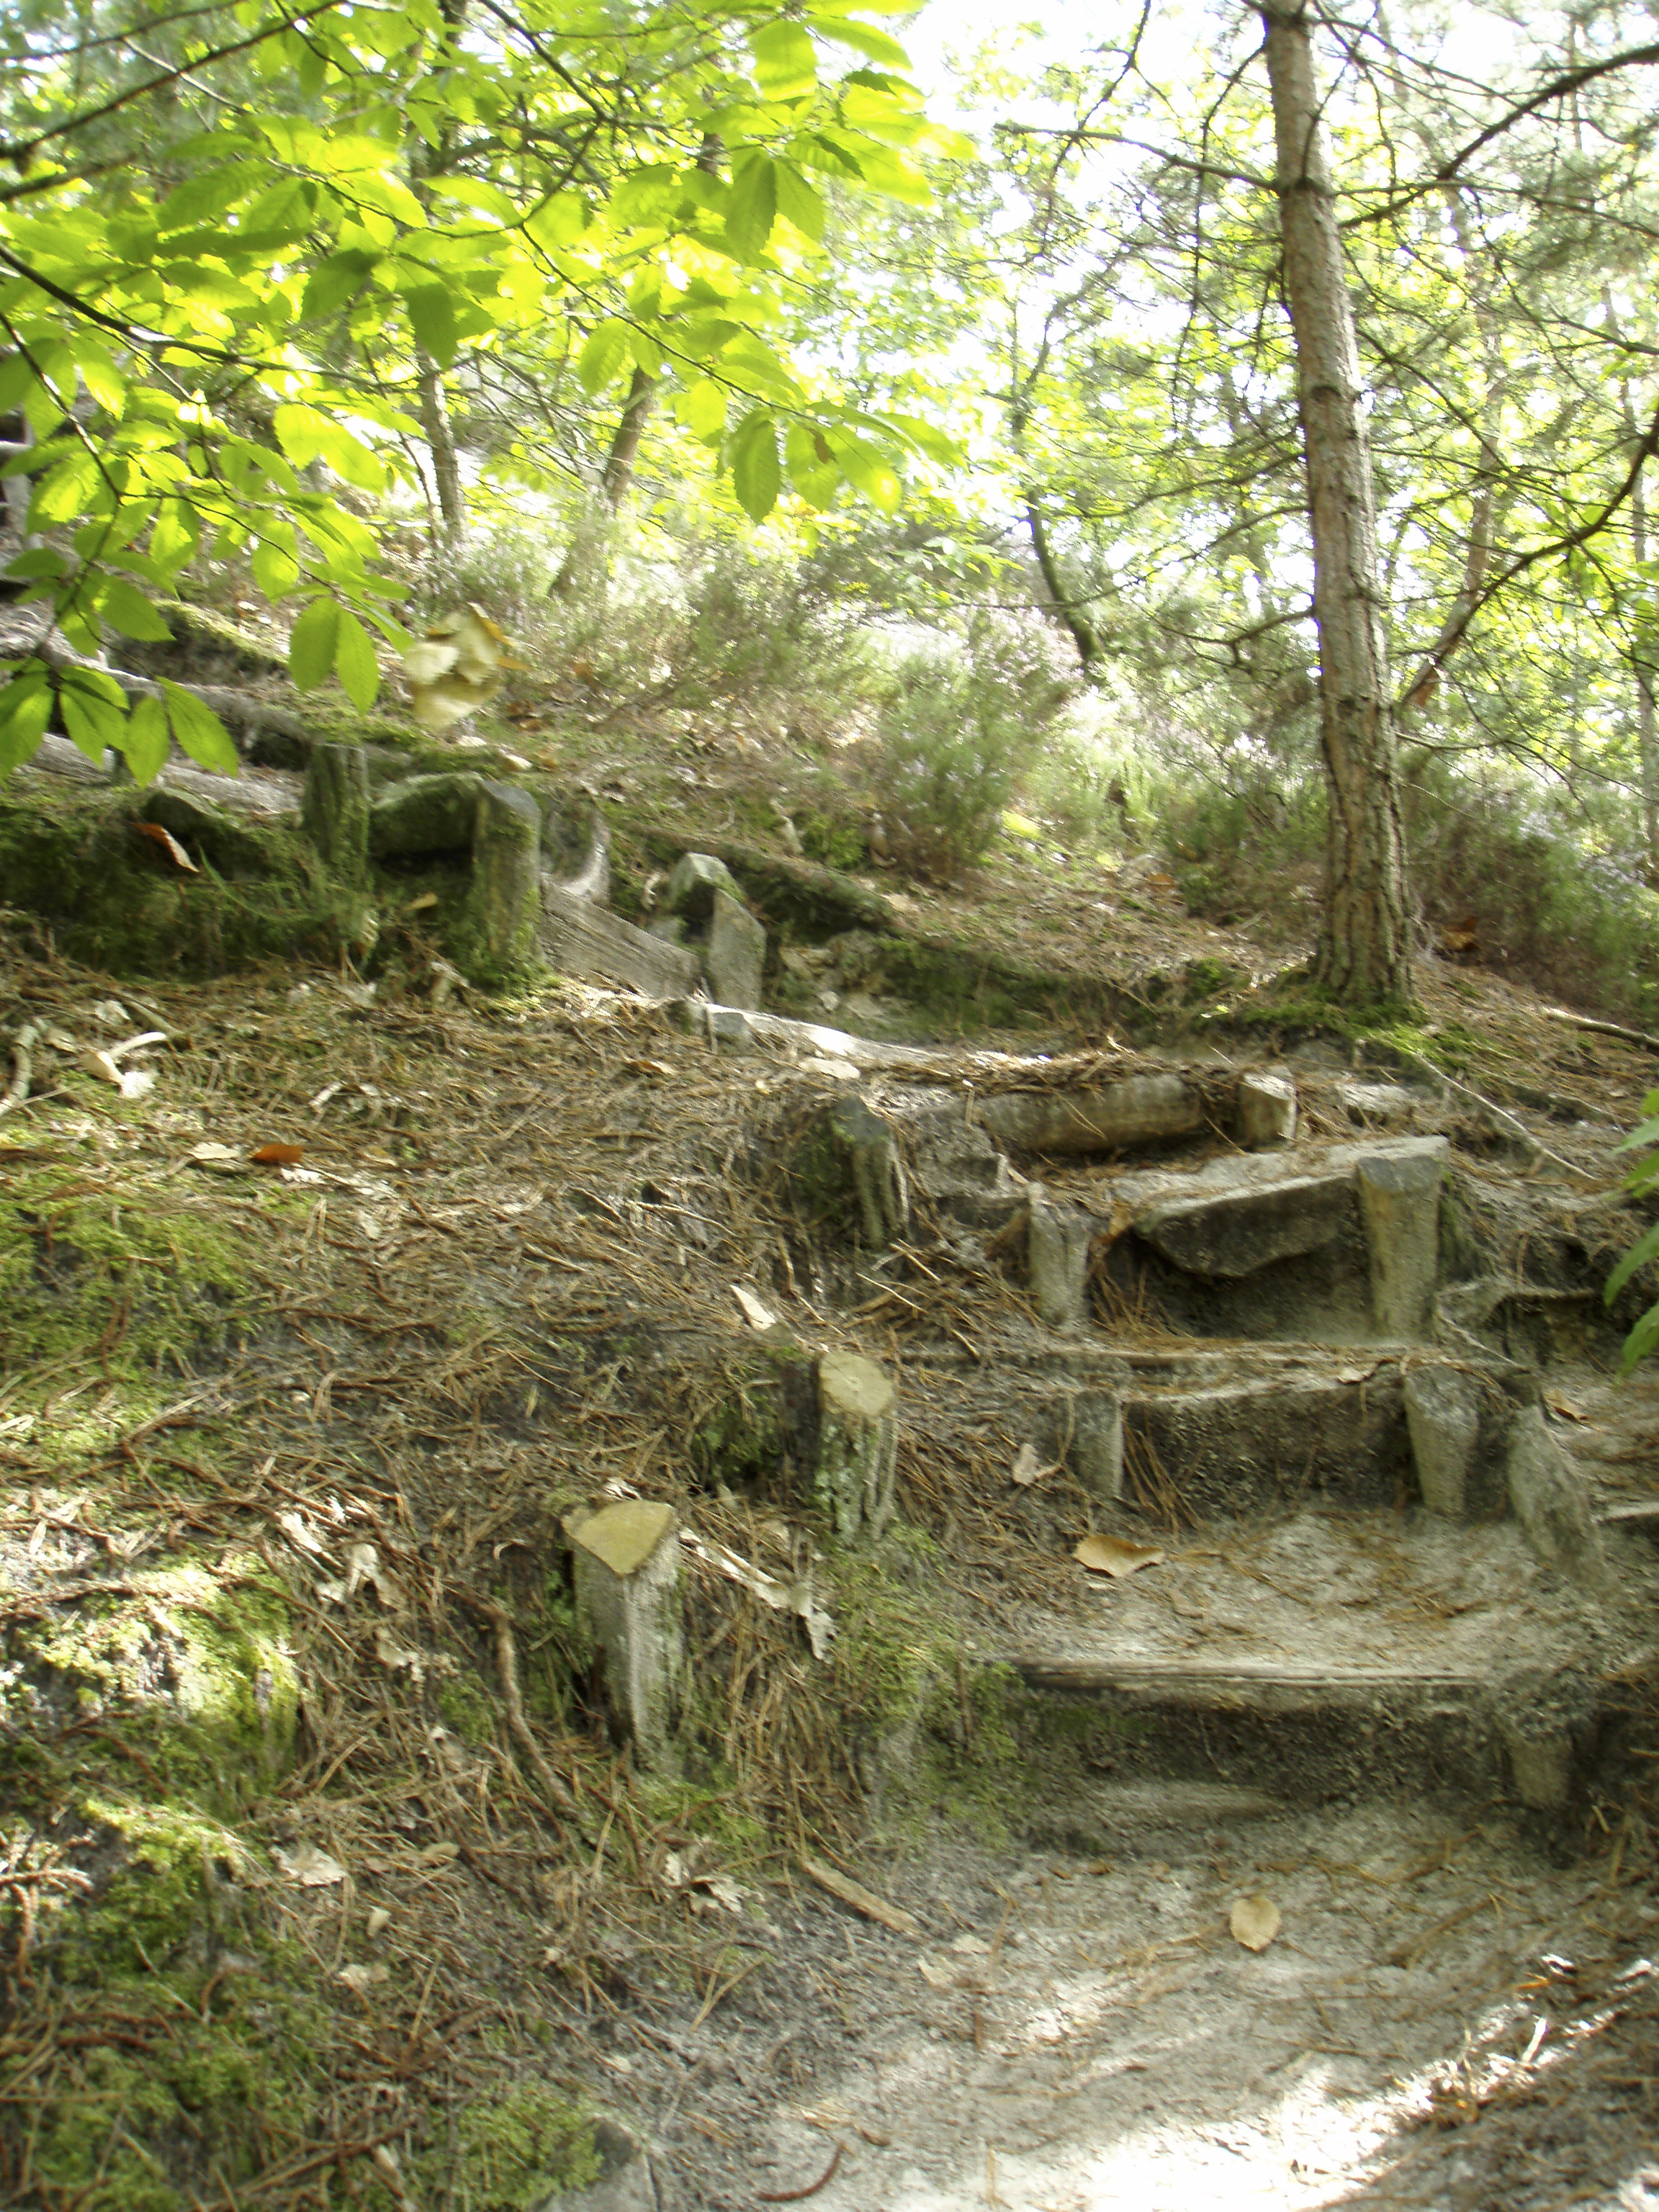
point(337, 280)
point(602, 357)
point(354, 661)
point(876, 45)
point(701, 407)
point(275, 571)
point(432, 317)
point(39, 562)
point(147, 740)
point(1645, 1248)
point(311, 649)
point(752, 206)
point(799, 202)
point(757, 473)
point(17, 379)
point(103, 380)
point(202, 196)
point(124, 608)
point(1641, 1340)
point(25, 710)
point(867, 472)
point(200, 731)
point(786, 60)
point(92, 724)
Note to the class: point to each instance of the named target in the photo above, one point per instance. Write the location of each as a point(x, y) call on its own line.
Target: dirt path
point(1444, 2018)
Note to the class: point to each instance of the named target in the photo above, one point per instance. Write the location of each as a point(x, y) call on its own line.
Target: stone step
point(1326, 1655)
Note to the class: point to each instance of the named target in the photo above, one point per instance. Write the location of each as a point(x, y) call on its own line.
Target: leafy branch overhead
point(251, 254)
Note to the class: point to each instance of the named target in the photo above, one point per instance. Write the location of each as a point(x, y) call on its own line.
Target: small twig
point(507, 1660)
point(799, 2195)
point(22, 1068)
point(1505, 1124)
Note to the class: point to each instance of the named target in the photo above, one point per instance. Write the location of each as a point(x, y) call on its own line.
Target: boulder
point(1236, 1231)
point(735, 952)
point(426, 814)
point(692, 884)
point(1266, 1111)
point(1144, 1109)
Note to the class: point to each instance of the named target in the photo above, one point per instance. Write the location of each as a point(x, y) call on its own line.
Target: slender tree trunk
point(625, 441)
point(440, 440)
point(1364, 945)
point(1064, 608)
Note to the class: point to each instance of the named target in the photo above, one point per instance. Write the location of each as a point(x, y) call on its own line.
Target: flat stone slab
point(1238, 1229)
point(1324, 1656)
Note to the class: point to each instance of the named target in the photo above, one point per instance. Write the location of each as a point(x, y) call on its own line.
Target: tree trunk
point(1064, 608)
point(440, 440)
point(625, 442)
point(1364, 945)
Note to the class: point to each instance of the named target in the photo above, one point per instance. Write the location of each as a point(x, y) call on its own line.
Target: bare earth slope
point(326, 1874)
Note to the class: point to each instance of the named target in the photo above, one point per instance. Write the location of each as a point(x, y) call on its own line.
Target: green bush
point(955, 732)
point(1646, 1136)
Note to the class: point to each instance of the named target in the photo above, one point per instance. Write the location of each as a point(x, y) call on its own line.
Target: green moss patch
point(113, 898)
point(126, 1279)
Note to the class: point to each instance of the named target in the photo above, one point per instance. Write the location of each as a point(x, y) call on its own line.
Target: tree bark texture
point(1364, 946)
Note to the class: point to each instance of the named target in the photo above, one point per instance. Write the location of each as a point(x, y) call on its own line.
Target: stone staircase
point(1282, 1358)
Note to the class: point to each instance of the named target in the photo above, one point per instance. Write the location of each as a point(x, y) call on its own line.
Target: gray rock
point(671, 928)
point(1095, 1453)
point(1443, 1414)
point(1399, 1202)
point(505, 901)
point(735, 952)
point(1058, 1240)
point(226, 844)
point(961, 1169)
point(335, 811)
point(1145, 1109)
point(692, 884)
point(426, 814)
point(1550, 1503)
point(582, 940)
point(1266, 1111)
point(1374, 1104)
point(1235, 1231)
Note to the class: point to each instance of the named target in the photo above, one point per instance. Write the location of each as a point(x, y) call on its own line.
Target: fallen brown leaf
point(1111, 1555)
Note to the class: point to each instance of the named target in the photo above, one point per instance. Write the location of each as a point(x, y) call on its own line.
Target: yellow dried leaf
point(1111, 1555)
point(1254, 1922)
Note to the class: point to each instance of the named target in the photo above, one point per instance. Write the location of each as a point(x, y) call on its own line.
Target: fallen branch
point(507, 1661)
point(22, 1068)
point(1601, 1029)
point(243, 708)
point(860, 1898)
point(1505, 1124)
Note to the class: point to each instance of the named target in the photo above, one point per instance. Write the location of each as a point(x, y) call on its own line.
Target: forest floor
point(323, 1880)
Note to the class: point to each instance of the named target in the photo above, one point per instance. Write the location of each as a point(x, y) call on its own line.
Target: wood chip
point(860, 1898)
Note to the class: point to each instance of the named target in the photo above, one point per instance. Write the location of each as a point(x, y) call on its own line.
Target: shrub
point(1645, 1335)
point(955, 732)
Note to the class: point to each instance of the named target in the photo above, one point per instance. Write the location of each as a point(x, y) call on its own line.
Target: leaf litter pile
point(322, 1879)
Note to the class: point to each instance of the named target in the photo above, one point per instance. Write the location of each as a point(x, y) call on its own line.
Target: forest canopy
point(280, 286)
